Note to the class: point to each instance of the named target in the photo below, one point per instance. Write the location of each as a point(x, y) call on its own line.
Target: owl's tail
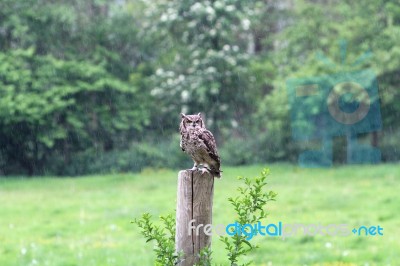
point(217, 173)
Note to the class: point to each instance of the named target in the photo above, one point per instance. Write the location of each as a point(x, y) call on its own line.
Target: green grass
point(87, 221)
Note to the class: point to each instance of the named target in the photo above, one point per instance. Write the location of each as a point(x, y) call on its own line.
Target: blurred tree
point(67, 80)
point(50, 107)
point(316, 27)
point(208, 70)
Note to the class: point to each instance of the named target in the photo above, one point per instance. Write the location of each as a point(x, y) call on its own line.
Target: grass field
point(87, 221)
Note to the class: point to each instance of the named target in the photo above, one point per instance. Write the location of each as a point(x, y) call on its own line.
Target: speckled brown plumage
point(199, 143)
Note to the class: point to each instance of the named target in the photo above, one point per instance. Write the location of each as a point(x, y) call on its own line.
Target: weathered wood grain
point(194, 202)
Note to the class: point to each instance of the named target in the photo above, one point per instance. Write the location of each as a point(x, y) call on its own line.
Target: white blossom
point(210, 11)
point(185, 109)
point(164, 17)
point(230, 8)
point(155, 92)
point(173, 16)
point(223, 107)
point(211, 69)
point(219, 4)
point(246, 24)
point(170, 10)
point(234, 123)
point(231, 61)
point(214, 90)
point(159, 71)
point(196, 7)
point(195, 53)
point(185, 95)
point(192, 24)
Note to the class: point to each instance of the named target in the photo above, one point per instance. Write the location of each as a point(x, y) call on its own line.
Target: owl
point(200, 144)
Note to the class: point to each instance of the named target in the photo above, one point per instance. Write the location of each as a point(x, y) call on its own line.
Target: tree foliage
point(81, 80)
point(51, 106)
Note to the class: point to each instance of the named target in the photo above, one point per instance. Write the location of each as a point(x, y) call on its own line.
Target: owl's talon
point(204, 170)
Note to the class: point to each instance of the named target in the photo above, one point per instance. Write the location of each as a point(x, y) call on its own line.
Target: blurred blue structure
point(342, 104)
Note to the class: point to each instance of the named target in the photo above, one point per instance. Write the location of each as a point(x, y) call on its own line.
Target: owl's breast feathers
point(200, 145)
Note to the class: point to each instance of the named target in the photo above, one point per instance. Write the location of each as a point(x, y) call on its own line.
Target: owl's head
point(191, 122)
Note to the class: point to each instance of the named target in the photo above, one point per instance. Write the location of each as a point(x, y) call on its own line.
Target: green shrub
point(238, 152)
point(164, 154)
point(249, 208)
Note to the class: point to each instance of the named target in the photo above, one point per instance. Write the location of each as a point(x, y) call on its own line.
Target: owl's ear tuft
point(183, 115)
point(199, 114)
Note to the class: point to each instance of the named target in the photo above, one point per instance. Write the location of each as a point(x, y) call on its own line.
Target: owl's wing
point(209, 141)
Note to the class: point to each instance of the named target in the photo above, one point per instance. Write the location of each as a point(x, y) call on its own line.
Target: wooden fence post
point(194, 203)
